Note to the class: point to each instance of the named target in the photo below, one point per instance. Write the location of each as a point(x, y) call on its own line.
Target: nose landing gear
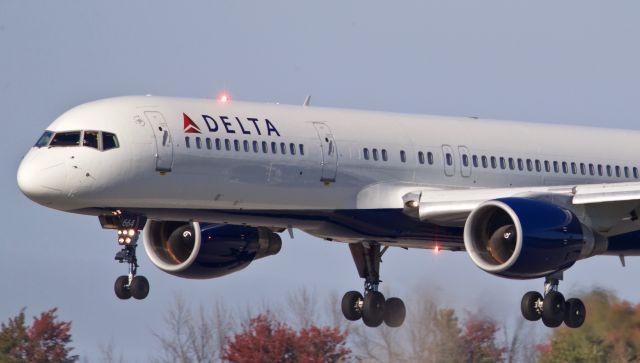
point(552, 308)
point(372, 308)
point(128, 231)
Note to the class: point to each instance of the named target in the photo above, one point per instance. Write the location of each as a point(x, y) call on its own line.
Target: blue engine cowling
point(202, 251)
point(524, 238)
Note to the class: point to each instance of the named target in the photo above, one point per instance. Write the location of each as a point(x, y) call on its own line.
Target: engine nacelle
point(524, 238)
point(201, 251)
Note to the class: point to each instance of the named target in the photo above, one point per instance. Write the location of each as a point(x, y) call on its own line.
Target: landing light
point(132, 232)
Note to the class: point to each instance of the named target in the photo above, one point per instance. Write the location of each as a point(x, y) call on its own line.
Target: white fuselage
point(345, 161)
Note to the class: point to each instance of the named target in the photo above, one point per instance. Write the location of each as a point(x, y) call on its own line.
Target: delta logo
point(232, 125)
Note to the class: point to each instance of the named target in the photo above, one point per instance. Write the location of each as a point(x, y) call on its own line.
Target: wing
point(609, 208)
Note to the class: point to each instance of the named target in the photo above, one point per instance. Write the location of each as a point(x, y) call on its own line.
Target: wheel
point(394, 312)
point(553, 307)
point(351, 305)
point(373, 309)
point(575, 313)
point(121, 288)
point(529, 307)
point(139, 287)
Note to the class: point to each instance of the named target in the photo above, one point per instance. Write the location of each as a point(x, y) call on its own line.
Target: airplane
point(211, 183)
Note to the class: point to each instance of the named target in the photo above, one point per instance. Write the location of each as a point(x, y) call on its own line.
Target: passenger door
point(329, 152)
point(164, 144)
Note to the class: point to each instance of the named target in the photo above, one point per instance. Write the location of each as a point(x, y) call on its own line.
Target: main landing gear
point(132, 284)
point(552, 308)
point(373, 308)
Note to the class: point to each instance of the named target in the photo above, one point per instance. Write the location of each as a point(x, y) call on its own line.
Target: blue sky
point(546, 61)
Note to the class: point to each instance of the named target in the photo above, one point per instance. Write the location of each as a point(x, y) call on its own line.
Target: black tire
point(394, 312)
point(373, 309)
point(121, 289)
point(139, 287)
point(553, 307)
point(350, 305)
point(575, 313)
point(528, 306)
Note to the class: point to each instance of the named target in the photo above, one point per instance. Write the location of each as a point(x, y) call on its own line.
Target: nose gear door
point(164, 143)
point(329, 152)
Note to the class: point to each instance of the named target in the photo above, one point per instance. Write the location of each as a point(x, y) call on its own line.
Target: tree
point(46, 340)
point(267, 340)
point(610, 334)
point(479, 341)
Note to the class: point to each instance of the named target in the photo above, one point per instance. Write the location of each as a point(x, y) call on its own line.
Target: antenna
point(307, 101)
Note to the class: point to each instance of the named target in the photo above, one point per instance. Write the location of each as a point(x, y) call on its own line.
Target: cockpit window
point(43, 141)
point(90, 139)
point(66, 139)
point(109, 141)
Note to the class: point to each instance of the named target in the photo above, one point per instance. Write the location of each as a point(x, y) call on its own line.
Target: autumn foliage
point(46, 340)
point(266, 340)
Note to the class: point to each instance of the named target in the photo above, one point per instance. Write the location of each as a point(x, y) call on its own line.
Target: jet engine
point(524, 238)
point(201, 251)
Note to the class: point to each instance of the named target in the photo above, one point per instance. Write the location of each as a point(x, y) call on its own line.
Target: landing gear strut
point(128, 231)
point(372, 308)
point(552, 307)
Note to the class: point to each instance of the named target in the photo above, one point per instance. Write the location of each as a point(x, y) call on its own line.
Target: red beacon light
point(436, 249)
point(224, 98)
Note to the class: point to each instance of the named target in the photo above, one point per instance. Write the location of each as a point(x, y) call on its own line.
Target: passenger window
point(90, 139)
point(626, 171)
point(520, 164)
point(218, 144)
point(565, 167)
point(421, 157)
point(494, 163)
point(255, 146)
point(465, 160)
point(600, 173)
point(292, 148)
point(556, 167)
point(485, 164)
point(403, 156)
point(198, 143)
point(301, 149)
point(227, 144)
point(365, 153)
point(430, 158)
point(245, 143)
point(274, 147)
point(236, 145)
point(209, 145)
point(609, 170)
point(635, 172)
point(617, 171)
point(375, 154)
point(43, 141)
point(583, 169)
point(474, 160)
point(384, 155)
point(503, 163)
point(592, 169)
point(574, 168)
point(449, 158)
point(61, 139)
point(538, 166)
point(529, 165)
point(265, 147)
point(512, 164)
point(109, 141)
point(283, 148)
point(547, 166)
point(187, 141)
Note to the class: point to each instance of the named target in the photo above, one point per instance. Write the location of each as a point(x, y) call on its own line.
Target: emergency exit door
point(164, 144)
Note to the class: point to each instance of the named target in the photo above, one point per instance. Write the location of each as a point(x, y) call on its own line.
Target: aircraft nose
point(43, 183)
